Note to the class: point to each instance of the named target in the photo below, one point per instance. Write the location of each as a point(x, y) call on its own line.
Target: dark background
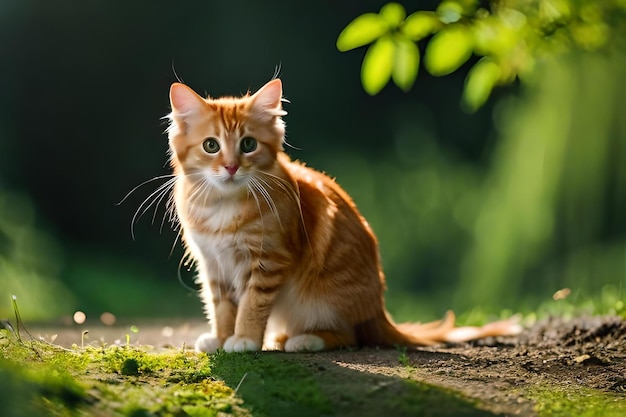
point(84, 86)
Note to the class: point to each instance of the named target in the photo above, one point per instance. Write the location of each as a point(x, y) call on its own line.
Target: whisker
point(153, 198)
point(258, 205)
point(266, 194)
point(158, 203)
point(141, 185)
point(293, 193)
point(203, 189)
point(176, 239)
point(172, 217)
point(183, 262)
point(267, 184)
point(200, 189)
point(267, 197)
point(282, 183)
point(207, 190)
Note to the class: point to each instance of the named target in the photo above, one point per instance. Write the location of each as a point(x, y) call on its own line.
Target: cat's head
point(225, 141)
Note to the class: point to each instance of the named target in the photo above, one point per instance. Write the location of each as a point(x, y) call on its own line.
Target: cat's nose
point(231, 169)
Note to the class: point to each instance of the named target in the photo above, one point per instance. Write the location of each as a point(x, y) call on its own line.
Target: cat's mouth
point(232, 182)
point(234, 179)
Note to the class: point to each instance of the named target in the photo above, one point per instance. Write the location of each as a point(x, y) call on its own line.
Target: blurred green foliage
point(544, 219)
point(511, 36)
point(30, 262)
point(34, 267)
point(544, 214)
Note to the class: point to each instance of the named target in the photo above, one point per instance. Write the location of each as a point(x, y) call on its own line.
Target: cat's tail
point(385, 333)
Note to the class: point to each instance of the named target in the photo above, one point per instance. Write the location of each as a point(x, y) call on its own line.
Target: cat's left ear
point(266, 102)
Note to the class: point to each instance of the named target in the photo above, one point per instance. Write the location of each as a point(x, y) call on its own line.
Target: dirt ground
point(588, 352)
point(582, 352)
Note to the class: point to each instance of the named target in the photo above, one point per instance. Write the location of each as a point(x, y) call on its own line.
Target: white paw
point(240, 344)
point(304, 343)
point(207, 342)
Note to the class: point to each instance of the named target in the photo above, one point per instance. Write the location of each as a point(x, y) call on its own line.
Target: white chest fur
point(223, 252)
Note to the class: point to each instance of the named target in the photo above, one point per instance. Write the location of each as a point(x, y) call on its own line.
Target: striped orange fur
point(284, 258)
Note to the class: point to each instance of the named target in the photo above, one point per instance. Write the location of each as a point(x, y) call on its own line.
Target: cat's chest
point(216, 227)
point(227, 248)
point(222, 238)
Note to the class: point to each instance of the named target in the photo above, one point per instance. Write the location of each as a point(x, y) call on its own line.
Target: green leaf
point(450, 11)
point(393, 13)
point(448, 50)
point(479, 83)
point(361, 31)
point(492, 36)
point(406, 61)
point(377, 65)
point(420, 24)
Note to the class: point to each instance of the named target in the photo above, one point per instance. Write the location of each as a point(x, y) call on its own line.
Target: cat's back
point(339, 259)
point(330, 216)
point(316, 186)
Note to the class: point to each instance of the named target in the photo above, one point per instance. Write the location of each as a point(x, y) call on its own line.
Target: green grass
point(40, 379)
point(272, 384)
point(581, 402)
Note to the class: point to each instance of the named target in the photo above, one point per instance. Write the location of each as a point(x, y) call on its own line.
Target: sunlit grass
point(554, 401)
point(38, 378)
point(607, 302)
point(566, 303)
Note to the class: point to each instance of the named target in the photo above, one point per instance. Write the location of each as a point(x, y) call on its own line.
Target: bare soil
point(583, 352)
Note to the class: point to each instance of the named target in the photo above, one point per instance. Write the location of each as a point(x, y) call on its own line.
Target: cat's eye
point(211, 145)
point(248, 144)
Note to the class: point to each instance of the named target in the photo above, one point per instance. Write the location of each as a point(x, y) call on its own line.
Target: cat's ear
point(184, 100)
point(267, 102)
point(186, 104)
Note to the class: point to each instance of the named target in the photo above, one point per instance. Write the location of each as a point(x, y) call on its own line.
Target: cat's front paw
point(240, 344)
point(305, 343)
point(207, 342)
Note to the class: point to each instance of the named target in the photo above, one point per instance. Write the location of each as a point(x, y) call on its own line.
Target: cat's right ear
point(184, 100)
point(186, 105)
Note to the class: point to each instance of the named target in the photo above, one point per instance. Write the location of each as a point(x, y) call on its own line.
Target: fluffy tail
point(383, 332)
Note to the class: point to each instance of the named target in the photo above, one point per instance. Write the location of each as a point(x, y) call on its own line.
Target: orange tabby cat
point(284, 258)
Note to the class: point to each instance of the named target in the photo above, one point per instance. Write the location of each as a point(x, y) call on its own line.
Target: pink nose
point(231, 169)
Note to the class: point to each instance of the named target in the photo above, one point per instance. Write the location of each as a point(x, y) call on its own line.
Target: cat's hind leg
point(319, 340)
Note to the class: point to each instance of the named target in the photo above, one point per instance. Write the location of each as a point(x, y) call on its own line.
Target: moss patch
point(37, 378)
point(554, 401)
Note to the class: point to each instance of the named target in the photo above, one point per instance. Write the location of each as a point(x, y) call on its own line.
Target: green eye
point(211, 145)
point(248, 144)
